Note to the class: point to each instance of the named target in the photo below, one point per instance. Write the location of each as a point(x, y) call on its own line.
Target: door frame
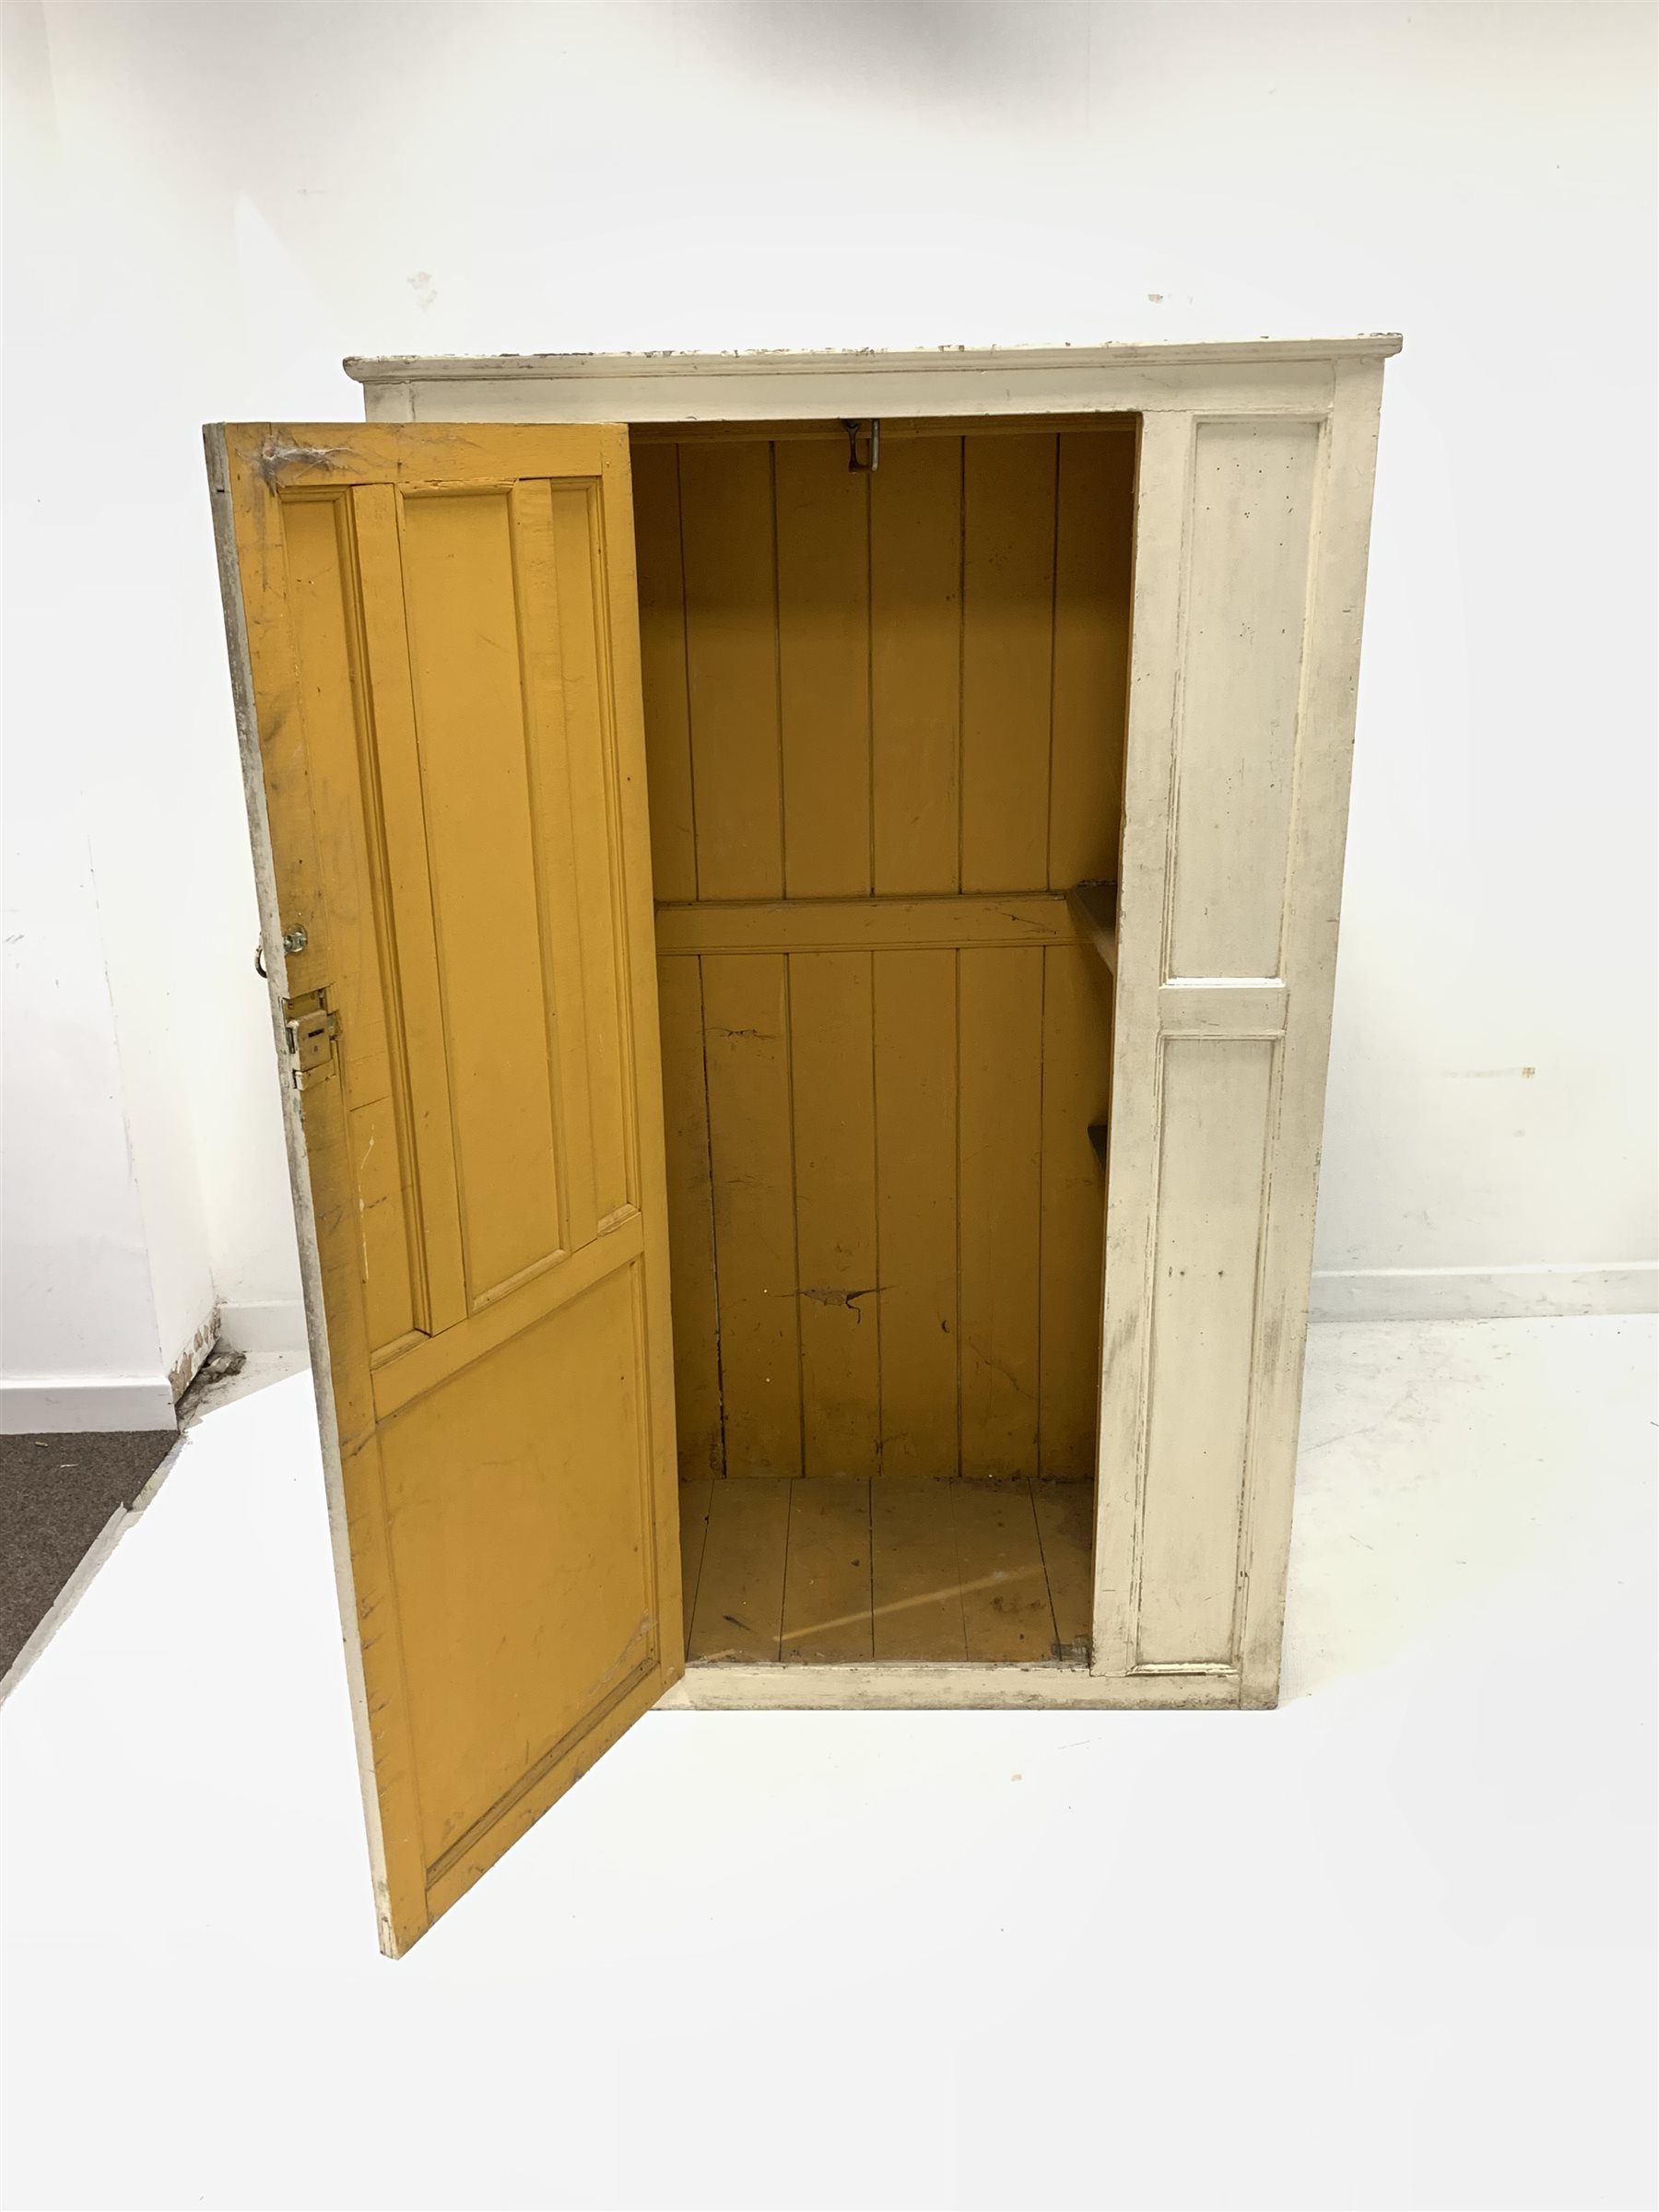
point(1333, 386)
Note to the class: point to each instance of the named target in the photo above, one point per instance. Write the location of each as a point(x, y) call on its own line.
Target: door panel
point(434, 641)
point(487, 1566)
point(885, 718)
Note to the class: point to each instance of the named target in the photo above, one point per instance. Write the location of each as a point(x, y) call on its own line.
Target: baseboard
point(277, 1325)
point(70, 1405)
point(1484, 1293)
point(1340, 1294)
point(270, 1324)
point(195, 1355)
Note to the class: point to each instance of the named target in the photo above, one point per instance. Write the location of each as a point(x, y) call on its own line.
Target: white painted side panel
point(1215, 1123)
point(1247, 594)
point(1325, 753)
point(1249, 577)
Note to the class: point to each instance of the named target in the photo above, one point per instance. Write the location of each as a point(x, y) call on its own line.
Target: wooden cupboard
point(800, 895)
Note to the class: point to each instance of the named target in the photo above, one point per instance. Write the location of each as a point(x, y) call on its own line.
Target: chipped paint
point(277, 455)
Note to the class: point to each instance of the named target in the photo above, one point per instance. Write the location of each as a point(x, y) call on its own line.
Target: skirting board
point(1484, 1293)
point(1342, 1294)
point(271, 1324)
point(104, 1405)
point(75, 1405)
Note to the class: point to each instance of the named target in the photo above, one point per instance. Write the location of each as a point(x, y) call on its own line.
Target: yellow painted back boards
point(884, 724)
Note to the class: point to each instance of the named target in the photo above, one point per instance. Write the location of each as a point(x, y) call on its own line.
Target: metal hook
point(853, 428)
point(293, 941)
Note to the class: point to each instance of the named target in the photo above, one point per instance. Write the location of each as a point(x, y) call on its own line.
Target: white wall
point(105, 1276)
point(250, 192)
point(77, 1300)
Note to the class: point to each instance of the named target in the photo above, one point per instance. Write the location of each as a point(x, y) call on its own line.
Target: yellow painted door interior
point(884, 722)
point(443, 661)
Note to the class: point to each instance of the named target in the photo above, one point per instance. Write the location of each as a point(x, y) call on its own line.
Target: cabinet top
point(374, 368)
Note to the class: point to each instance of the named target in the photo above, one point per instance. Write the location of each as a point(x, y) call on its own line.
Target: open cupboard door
point(433, 636)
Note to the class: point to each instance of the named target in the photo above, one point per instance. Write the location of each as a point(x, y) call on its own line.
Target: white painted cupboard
point(1082, 1352)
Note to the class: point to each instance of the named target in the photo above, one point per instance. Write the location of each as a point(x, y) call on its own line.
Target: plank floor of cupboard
point(835, 1568)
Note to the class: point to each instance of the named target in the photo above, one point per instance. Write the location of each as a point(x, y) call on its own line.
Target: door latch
point(311, 1031)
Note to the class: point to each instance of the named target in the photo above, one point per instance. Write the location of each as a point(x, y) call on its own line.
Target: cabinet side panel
point(1216, 1098)
point(1313, 900)
point(1252, 511)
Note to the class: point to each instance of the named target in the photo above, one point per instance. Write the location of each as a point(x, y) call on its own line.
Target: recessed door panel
point(470, 716)
point(487, 1564)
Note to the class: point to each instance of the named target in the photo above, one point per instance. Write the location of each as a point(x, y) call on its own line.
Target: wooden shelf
point(865, 925)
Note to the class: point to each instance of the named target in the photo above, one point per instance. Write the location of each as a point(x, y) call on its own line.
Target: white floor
point(1389, 1946)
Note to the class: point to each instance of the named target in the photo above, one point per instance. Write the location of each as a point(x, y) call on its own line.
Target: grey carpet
point(57, 1492)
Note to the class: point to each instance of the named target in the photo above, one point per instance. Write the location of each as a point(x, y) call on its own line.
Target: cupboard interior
point(884, 715)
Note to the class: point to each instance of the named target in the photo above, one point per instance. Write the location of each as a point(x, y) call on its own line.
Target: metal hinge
point(311, 1031)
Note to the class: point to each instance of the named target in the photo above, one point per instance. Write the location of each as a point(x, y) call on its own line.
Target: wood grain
point(751, 1145)
point(826, 1581)
point(837, 1251)
point(1077, 1092)
point(690, 1221)
point(1064, 1514)
point(1093, 548)
point(1007, 1617)
point(696, 1498)
point(823, 525)
point(916, 665)
point(1007, 660)
point(731, 669)
point(834, 1570)
point(1000, 1208)
point(915, 1587)
point(663, 658)
point(739, 1612)
point(916, 1115)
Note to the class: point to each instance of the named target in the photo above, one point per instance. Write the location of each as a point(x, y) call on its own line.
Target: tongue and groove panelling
point(885, 1210)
